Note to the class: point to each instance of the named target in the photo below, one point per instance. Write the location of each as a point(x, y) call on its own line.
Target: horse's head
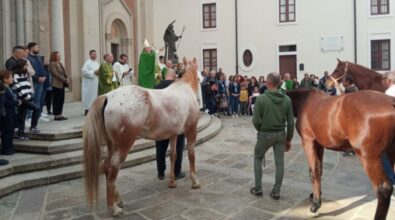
point(191, 73)
point(338, 74)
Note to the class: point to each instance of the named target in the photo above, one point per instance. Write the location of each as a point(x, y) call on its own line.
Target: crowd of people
point(236, 95)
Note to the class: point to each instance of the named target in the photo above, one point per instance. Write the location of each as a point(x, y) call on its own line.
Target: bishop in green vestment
point(146, 74)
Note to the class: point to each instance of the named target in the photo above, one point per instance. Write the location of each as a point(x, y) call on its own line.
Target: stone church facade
point(73, 27)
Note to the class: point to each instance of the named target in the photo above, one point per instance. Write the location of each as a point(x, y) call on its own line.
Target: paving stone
point(163, 210)
point(252, 214)
point(31, 201)
point(202, 214)
point(67, 213)
point(85, 217)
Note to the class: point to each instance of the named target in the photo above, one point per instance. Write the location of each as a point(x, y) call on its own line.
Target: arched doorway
point(119, 39)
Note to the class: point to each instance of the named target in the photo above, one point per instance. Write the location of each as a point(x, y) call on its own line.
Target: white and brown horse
point(118, 118)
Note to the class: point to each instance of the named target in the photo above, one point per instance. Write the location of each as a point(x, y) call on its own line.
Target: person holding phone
point(123, 71)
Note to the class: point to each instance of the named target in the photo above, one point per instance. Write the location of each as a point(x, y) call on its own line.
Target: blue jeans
point(388, 169)
point(38, 98)
point(234, 104)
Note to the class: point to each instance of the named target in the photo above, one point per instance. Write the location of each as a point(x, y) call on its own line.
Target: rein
point(336, 80)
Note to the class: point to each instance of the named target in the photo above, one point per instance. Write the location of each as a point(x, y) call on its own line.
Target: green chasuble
point(106, 74)
point(146, 74)
point(289, 84)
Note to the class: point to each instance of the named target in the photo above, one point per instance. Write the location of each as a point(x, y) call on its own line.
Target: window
point(210, 59)
point(209, 15)
point(287, 48)
point(380, 55)
point(287, 10)
point(247, 58)
point(379, 7)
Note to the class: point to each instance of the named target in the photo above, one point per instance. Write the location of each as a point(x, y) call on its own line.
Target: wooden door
point(288, 65)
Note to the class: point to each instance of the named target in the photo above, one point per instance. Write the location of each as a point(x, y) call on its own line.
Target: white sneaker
point(43, 114)
point(42, 118)
point(237, 115)
point(206, 111)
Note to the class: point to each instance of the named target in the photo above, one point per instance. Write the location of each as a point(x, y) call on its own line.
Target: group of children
point(235, 96)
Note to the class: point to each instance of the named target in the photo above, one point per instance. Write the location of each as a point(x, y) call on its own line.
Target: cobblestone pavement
point(225, 170)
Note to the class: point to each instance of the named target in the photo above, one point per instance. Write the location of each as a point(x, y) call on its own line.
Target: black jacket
point(9, 121)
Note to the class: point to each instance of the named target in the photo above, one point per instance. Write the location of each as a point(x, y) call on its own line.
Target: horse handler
point(273, 112)
point(162, 145)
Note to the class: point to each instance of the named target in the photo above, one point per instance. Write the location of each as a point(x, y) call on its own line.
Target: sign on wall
point(331, 43)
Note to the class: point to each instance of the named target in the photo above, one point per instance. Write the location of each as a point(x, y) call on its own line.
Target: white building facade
point(256, 37)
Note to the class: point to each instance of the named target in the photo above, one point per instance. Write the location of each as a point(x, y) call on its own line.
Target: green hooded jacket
point(273, 112)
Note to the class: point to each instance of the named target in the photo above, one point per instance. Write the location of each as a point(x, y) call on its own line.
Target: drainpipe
point(237, 39)
point(355, 33)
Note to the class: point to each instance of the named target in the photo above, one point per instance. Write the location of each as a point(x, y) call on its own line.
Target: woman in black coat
point(8, 121)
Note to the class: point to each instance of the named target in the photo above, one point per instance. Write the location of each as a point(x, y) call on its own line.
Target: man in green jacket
point(107, 77)
point(272, 114)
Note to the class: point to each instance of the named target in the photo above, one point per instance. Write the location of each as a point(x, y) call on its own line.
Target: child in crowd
point(255, 94)
point(8, 120)
point(243, 99)
point(23, 90)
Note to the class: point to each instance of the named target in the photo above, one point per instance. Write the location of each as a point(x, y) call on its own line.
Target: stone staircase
point(55, 154)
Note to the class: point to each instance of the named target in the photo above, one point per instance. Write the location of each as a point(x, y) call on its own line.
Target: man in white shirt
point(389, 82)
point(124, 73)
point(90, 81)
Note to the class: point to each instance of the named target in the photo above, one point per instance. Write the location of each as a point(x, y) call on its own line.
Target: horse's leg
point(191, 140)
point(116, 156)
point(381, 185)
point(173, 157)
point(320, 155)
point(310, 148)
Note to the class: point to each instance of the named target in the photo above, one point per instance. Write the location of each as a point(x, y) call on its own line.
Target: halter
point(336, 81)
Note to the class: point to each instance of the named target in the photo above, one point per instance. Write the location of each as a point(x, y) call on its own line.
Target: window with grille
point(287, 10)
point(210, 59)
point(379, 7)
point(210, 15)
point(380, 54)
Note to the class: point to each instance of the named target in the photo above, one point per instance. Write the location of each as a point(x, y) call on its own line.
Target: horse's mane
point(365, 70)
point(190, 76)
point(299, 97)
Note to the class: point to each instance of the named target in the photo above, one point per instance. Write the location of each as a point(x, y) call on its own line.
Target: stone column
point(57, 27)
point(20, 27)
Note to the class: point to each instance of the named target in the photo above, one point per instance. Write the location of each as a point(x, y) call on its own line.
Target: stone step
point(50, 146)
point(20, 181)
point(62, 130)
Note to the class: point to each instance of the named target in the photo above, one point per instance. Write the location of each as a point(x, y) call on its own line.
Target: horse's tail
point(93, 134)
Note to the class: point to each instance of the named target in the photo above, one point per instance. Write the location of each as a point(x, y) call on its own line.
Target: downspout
point(355, 33)
point(237, 39)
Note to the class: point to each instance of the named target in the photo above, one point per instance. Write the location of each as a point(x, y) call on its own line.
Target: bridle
point(336, 80)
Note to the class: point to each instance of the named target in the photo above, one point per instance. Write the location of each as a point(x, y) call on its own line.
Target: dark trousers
point(48, 100)
point(7, 137)
point(58, 100)
point(22, 110)
point(161, 148)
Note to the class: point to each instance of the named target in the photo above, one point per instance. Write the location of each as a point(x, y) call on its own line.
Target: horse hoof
point(120, 204)
point(117, 212)
point(313, 214)
point(172, 186)
point(196, 186)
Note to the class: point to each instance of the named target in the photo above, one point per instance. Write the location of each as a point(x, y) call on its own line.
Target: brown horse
point(362, 121)
point(364, 78)
point(119, 117)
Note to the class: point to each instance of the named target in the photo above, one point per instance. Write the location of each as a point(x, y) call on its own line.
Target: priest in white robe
point(90, 81)
point(123, 71)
